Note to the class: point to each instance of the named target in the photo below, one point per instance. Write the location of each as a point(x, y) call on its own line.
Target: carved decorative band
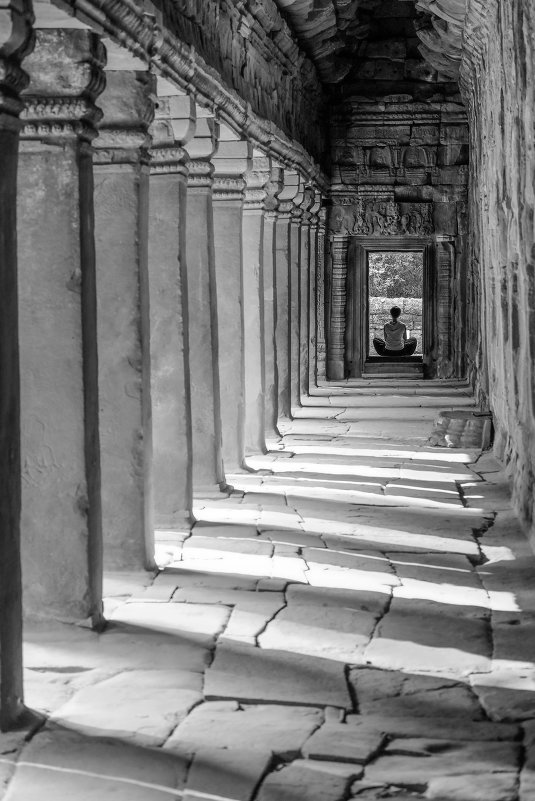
point(200, 173)
point(121, 155)
point(254, 199)
point(369, 217)
point(124, 138)
point(226, 188)
point(59, 117)
point(169, 160)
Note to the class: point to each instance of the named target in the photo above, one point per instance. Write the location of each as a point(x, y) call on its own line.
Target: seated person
point(395, 342)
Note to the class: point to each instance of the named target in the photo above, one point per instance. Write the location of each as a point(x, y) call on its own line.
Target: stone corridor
point(354, 620)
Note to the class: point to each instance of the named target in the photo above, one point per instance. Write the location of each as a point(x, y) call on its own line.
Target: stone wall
point(498, 78)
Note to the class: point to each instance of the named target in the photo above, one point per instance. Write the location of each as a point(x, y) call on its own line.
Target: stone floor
point(355, 621)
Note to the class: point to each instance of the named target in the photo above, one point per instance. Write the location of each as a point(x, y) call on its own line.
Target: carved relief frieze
point(372, 217)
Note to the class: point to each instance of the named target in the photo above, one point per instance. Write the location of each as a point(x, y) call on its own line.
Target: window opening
point(395, 278)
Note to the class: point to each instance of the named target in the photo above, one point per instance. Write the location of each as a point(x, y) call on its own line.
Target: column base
point(211, 492)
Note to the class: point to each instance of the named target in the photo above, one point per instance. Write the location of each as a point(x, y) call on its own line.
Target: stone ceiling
point(336, 33)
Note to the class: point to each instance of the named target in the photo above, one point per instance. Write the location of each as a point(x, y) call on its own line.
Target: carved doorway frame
point(356, 301)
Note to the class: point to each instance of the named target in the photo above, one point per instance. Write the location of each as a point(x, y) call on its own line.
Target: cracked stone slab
point(59, 764)
point(225, 774)
point(508, 692)
point(224, 546)
point(11, 746)
point(380, 692)
point(415, 762)
point(56, 647)
point(364, 600)
point(420, 636)
point(490, 497)
point(321, 575)
point(139, 706)
point(306, 780)
point(289, 567)
point(195, 622)
point(470, 787)
point(402, 529)
point(338, 742)
point(424, 492)
point(324, 631)
point(513, 636)
point(196, 577)
point(288, 537)
point(445, 578)
point(271, 729)
point(259, 675)
point(250, 617)
point(448, 728)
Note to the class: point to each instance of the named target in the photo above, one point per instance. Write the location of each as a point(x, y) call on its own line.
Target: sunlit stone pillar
point(208, 476)
point(294, 289)
point(257, 180)
point(271, 204)
point(15, 33)
point(321, 300)
point(121, 237)
point(231, 161)
point(174, 125)
point(313, 310)
point(61, 511)
point(282, 270)
point(305, 267)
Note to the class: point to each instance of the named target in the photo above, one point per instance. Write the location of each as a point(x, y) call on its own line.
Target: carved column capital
point(231, 161)
point(16, 41)
point(172, 127)
point(200, 173)
point(201, 149)
point(264, 184)
point(306, 204)
point(226, 187)
point(315, 209)
point(66, 77)
point(169, 160)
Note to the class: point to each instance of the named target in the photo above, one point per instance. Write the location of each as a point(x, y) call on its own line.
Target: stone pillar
point(322, 302)
point(208, 476)
point(61, 505)
point(15, 35)
point(231, 161)
point(173, 126)
point(121, 237)
point(294, 305)
point(306, 266)
point(273, 189)
point(253, 303)
point(282, 270)
point(313, 310)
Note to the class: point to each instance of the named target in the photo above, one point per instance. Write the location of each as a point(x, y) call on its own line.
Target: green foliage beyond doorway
point(395, 275)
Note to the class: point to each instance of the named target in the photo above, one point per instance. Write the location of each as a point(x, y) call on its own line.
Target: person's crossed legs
point(408, 350)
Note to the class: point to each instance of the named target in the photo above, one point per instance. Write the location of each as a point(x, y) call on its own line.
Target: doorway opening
point(395, 278)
